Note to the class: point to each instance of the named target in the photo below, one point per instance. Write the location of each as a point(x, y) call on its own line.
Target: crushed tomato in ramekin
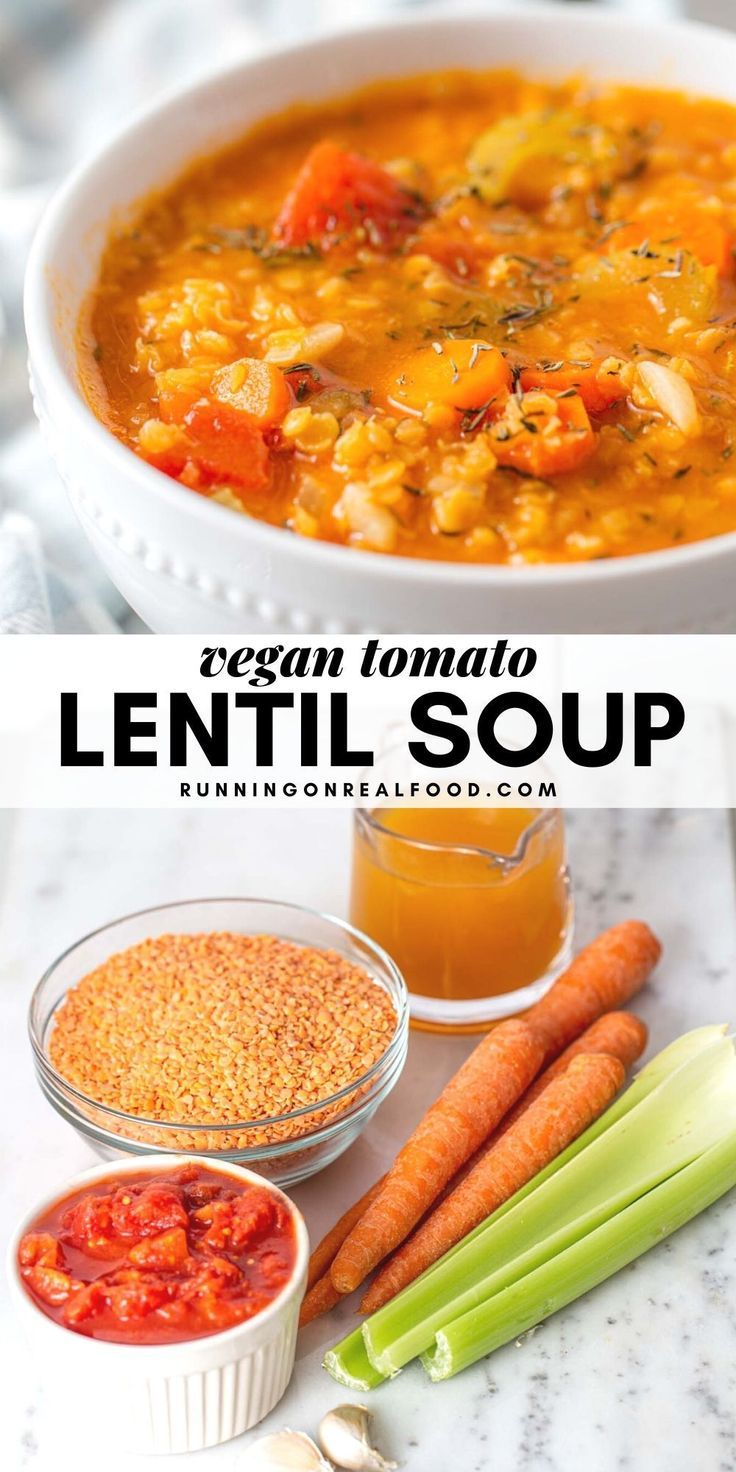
point(159, 1257)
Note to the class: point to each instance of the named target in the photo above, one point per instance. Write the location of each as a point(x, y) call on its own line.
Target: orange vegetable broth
point(470, 902)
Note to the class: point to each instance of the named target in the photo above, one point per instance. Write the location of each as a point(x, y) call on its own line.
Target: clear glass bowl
point(286, 1148)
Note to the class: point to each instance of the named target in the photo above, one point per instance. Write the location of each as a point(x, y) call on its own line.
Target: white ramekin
point(166, 1397)
point(190, 566)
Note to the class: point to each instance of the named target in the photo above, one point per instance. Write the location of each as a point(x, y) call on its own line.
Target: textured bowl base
point(187, 1413)
point(178, 1413)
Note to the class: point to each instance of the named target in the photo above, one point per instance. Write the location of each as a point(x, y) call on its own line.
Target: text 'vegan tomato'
point(156, 1259)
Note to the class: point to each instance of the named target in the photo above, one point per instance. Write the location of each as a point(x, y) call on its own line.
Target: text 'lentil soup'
point(464, 316)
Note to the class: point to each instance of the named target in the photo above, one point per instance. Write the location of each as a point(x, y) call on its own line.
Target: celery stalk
point(515, 1238)
point(586, 1263)
point(666, 1128)
point(348, 1363)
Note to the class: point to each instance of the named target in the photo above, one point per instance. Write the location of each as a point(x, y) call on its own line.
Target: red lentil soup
point(158, 1258)
point(463, 316)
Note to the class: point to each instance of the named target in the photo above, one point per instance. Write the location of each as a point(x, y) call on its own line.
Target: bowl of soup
point(429, 326)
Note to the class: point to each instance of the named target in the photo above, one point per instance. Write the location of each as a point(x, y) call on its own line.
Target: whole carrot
point(620, 1034)
point(321, 1297)
point(325, 1251)
point(606, 974)
point(556, 1117)
point(490, 1080)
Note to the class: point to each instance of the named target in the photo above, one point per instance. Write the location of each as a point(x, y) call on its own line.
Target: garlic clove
point(344, 1437)
point(284, 1451)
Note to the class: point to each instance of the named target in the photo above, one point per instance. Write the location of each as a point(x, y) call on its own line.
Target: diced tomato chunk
point(544, 442)
point(337, 194)
point(274, 1270)
point(303, 380)
point(135, 1300)
point(51, 1284)
point(40, 1248)
point(220, 443)
point(598, 385)
point(148, 1212)
point(199, 1193)
point(89, 1220)
point(227, 445)
point(254, 1214)
point(84, 1302)
point(218, 1313)
point(209, 1277)
point(233, 1225)
point(176, 1314)
point(456, 253)
point(166, 1252)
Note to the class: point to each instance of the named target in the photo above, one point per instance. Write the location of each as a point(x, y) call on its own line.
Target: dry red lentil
point(220, 1028)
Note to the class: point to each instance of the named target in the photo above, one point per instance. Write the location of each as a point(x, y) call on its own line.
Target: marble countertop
point(641, 1374)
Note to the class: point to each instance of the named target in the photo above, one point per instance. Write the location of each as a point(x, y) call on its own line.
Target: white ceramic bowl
point(190, 566)
point(166, 1397)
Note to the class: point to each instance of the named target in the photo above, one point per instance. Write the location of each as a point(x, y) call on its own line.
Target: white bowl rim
point(393, 1047)
point(147, 1354)
point(80, 419)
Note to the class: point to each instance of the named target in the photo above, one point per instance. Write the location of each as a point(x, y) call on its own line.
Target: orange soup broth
point(471, 903)
point(472, 387)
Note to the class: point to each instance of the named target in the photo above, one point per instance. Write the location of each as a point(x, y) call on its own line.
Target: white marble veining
point(640, 1376)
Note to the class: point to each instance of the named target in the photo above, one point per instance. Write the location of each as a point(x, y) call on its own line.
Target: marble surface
point(639, 1375)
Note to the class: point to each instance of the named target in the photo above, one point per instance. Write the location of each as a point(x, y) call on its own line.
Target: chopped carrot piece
point(680, 224)
point(543, 442)
point(337, 193)
point(463, 373)
point(598, 386)
point(253, 387)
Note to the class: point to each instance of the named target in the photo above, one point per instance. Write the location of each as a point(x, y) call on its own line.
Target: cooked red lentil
point(463, 316)
point(220, 1028)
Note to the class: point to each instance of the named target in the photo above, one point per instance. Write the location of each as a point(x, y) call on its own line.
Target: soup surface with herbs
point(464, 316)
